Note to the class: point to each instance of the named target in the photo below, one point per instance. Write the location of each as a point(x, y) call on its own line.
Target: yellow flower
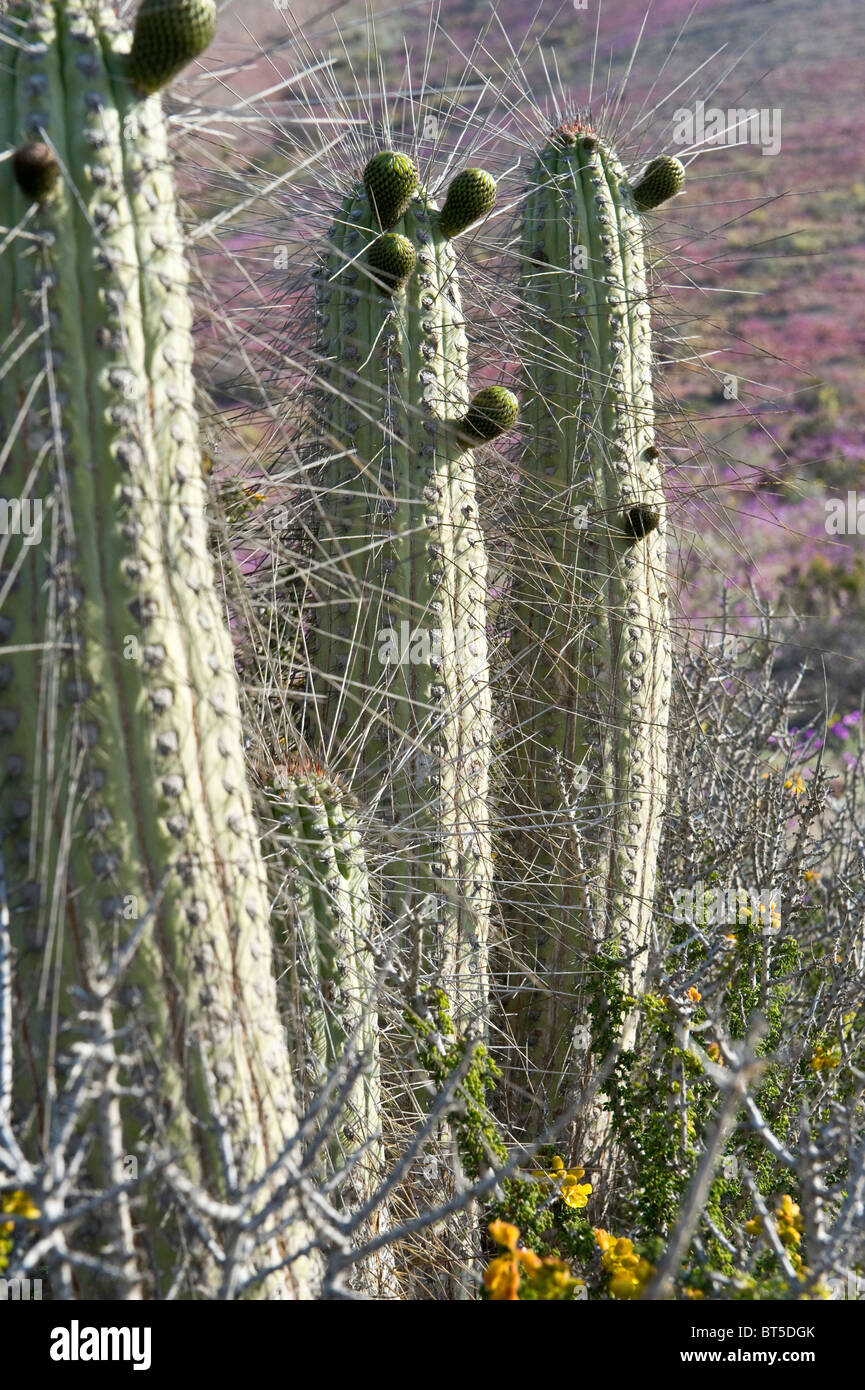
point(809, 875)
point(16, 1204)
point(502, 1274)
point(754, 1227)
point(714, 1052)
point(628, 1271)
point(693, 1293)
point(502, 1279)
point(774, 914)
point(824, 1060)
point(572, 1192)
point(795, 785)
point(694, 995)
point(788, 1213)
point(503, 1233)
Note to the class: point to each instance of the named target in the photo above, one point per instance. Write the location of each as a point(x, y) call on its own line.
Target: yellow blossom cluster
point(795, 785)
point(628, 1271)
point(788, 1223)
point(517, 1269)
point(825, 1059)
point(572, 1191)
point(788, 1219)
point(14, 1204)
point(774, 915)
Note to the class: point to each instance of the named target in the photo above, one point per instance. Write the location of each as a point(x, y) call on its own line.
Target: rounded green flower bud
point(663, 179)
point(472, 194)
point(493, 410)
point(36, 170)
point(389, 179)
point(168, 34)
point(392, 259)
point(640, 520)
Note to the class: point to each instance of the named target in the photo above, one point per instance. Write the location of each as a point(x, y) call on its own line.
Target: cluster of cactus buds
point(403, 556)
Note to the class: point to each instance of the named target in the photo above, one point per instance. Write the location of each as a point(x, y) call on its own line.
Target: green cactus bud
point(472, 194)
point(639, 520)
point(390, 179)
point(168, 34)
point(492, 411)
point(393, 259)
point(662, 179)
point(36, 170)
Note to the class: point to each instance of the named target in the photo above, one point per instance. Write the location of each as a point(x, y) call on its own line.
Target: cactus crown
point(168, 34)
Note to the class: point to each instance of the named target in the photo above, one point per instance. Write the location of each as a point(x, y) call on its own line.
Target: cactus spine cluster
point(402, 677)
point(590, 638)
point(127, 827)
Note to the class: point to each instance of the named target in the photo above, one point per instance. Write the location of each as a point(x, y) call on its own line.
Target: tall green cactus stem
point(334, 959)
point(590, 634)
point(125, 805)
point(403, 699)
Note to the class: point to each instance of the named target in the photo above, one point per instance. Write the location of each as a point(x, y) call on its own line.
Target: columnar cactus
point(334, 956)
point(126, 815)
point(402, 698)
point(591, 644)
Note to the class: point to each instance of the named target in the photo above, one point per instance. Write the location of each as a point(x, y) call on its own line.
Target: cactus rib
point(333, 913)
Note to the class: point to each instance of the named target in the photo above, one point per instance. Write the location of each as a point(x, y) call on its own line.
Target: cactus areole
point(403, 695)
point(125, 813)
point(590, 636)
